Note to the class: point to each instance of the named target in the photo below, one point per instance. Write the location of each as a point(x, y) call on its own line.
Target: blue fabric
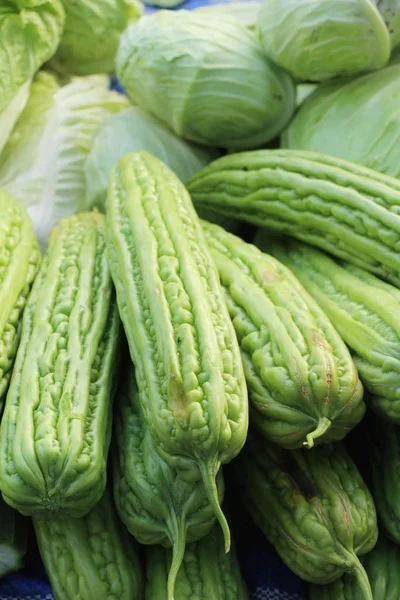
point(266, 575)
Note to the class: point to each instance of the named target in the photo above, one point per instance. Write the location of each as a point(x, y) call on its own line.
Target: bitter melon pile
point(216, 331)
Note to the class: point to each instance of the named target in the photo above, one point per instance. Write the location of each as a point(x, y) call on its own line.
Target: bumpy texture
point(320, 39)
point(332, 120)
point(92, 557)
point(56, 426)
point(364, 310)
point(382, 566)
point(182, 341)
point(213, 85)
point(19, 262)
point(302, 382)
point(207, 572)
point(157, 503)
point(384, 455)
point(313, 506)
point(350, 211)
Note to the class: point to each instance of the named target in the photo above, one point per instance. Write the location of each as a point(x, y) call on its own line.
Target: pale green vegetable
point(131, 130)
point(316, 40)
point(246, 11)
point(390, 11)
point(303, 90)
point(30, 31)
point(358, 121)
point(42, 164)
point(91, 35)
point(205, 78)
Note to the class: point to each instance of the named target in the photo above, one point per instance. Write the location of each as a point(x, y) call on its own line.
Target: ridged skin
point(347, 210)
point(299, 372)
point(19, 263)
point(181, 339)
point(382, 565)
point(56, 426)
point(92, 557)
point(207, 572)
point(157, 503)
point(384, 456)
point(312, 505)
point(364, 310)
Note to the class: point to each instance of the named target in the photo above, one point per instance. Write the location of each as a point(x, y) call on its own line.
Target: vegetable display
point(313, 506)
point(319, 39)
point(194, 401)
point(91, 557)
point(364, 310)
point(200, 299)
point(157, 503)
point(303, 385)
point(30, 31)
point(207, 572)
point(55, 431)
point(332, 120)
point(91, 35)
point(213, 85)
point(42, 164)
point(347, 210)
point(132, 130)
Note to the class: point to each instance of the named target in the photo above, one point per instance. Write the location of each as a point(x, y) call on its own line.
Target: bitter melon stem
point(322, 426)
point(209, 472)
point(361, 576)
point(178, 552)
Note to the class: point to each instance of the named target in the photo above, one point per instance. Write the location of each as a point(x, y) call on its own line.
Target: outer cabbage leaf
point(205, 78)
point(132, 130)
point(42, 164)
point(246, 11)
point(316, 40)
point(91, 35)
point(30, 31)
point(358, 121)
point(390, 11)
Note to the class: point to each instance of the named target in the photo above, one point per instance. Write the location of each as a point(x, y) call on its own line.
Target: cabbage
point(358, 121)
point(316, 40)
point(390, 11)
point(92, 31)
point(132, 130)
point(30, 31)
point(246, 11)
point(42, 164)
point(205, 78)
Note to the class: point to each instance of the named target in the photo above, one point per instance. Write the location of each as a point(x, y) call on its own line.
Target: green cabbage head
point(42, 164)
point(390, 11)
point(316, 40)
point(358, 121)
point(132, 130)
point(30, 31)
point(91, 35)
point(246, 11)
point(206, 78)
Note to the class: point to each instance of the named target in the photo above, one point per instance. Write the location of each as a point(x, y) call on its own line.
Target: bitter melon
point(382, 566)
point(157, 503)
point(364, 310)
point(91, 557)
point(207, 572)
point(19, 262)
point(303, 385)
point(182, 341)
point(313, 506)
point(56, 426)
point(348, 210)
